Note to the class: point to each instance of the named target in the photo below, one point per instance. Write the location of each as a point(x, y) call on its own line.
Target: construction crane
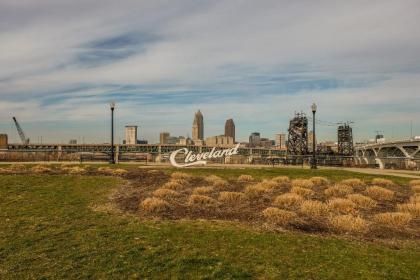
point(21, 133)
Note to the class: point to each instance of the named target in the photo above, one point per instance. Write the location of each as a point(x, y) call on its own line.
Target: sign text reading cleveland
point(196, 159)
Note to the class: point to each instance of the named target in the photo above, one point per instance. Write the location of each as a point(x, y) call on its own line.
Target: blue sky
point(254, 61)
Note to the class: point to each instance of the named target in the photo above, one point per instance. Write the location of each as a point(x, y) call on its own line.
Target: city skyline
point(63, 62)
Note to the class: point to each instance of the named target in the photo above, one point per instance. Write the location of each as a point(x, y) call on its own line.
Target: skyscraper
point(163, 137)
point(198, 127)
point(131, 134)
point(230, 129)
point(254, 139)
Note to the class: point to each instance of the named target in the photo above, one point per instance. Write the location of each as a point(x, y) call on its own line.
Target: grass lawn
point(49, 230)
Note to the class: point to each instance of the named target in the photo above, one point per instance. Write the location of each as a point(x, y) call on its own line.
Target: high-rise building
point(230, 129)
point(281, 141)
point(219, 140)
point(198, 127)
point(3, 142)
point(131, 134)
point(164, 137)
point(254, 139)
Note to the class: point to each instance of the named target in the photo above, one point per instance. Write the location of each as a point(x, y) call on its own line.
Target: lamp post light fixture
point(313, 163)
point(112, 105)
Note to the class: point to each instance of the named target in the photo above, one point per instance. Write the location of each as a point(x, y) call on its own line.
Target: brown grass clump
point(281, 179)
point(203, 190)
point(220, 184)
point(379, 193)
point(212, 178)
point(17, 167)
point(302, 191)
point(338, 190)
point(320, 181)
point(165, 193)
point(313, 208)
point(395, 220)
point(349, 224)
point(353, 182)
point(119, 172)
point(270, 184)
point(414, 183)
point(201, 200)
point(231, 197)
point(75, 170)
point(40, 169)
point(302, 183)
point(362, 201)
point(415, 198)
point(288, 200)
point(180, 175)
point(154, 205)
point(105, 169)
point(174, 185)
point(254, 191)
point(341, 205)
point(416, 189)
point(278, 216)
point(411, 208)
point(382, 182)
point(245, 178)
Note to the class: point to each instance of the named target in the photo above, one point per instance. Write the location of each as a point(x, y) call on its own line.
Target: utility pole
point(112, 105)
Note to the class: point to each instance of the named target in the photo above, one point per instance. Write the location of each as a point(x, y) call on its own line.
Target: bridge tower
point(345, 140)
point(298, 135)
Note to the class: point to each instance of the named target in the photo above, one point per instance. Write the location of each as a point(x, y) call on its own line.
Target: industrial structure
point(298, 135)
point(345, 140)
point(22, 136)
point(131, 134)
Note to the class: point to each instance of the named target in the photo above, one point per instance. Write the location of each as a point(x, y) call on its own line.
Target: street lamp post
point(313, 165)
point(112, 105)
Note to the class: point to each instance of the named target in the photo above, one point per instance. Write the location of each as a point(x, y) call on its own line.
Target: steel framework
point(345, 140)
point(298, 135)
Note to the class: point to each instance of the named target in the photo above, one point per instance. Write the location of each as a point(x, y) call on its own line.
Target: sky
point(258, 62)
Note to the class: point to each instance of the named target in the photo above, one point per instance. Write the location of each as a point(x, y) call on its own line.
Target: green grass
point(48, 230)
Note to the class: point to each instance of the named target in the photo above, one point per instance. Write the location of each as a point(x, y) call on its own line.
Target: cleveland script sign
point(197, 159)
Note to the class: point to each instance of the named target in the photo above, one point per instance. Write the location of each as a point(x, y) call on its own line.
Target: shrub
point(353, 182)
point(338, 190)
point(302, 191)
point(180, 175)
point(231, 197)
point(382, 182)
point(395, 220)
point(154, 205)
point(415, 198)
point(320, 181)
point(212, 178)
point(220, 184)
point(379, 193)
point(302, 183)
point(269, 184)
point(414, 183)
point(341, 205)
point(411, 208)
point(278, 216)
point(362, 201)
point(288, 200)
point(203, 190)
point(119, 172)
point(313, 208)
point(245, 178)
point(40, 169)
point(17, 167)
point(174, 185)
point(349, 224)
point(283, 180)
point(165, 193)
point(201, 200)
point(105, 169)
point(75, 170)
point(254, 191)
point(416, 189)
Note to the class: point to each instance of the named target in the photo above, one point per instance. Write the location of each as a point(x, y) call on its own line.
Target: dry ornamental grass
point(201, 200)
point(349, 224)
point(288, 200)
point(203, 190)
point(105, 170)
point(382, 182)
point(279, 216)
point(414, 183)
point(339, 190)
point(119, 172)
point(302, 183)
point(180, 175)
point(154, 205)
point(212, 178)
point(75, 170)
point(165, 193)
point(281, 180)
point(394, 220)
point(353, 182)
point(320, 181)
point(415, 198)
point(313, 209)
point(379, 193)
point(411, 208)
point(270, 184)
point(302, 192)
point(40, 169)
point(341, 205)
point(231, 197)
point(245, 178)
point(416, 189)
point(17, 167)
point(254, 191)
point(220, 184)
point(362, 201)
